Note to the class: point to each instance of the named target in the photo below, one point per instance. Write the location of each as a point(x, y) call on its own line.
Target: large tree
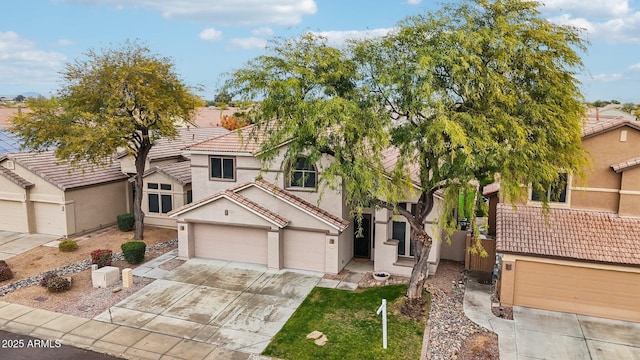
point(475, 89)
point(118, 99)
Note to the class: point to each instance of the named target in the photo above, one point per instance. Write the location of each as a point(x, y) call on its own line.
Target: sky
point(206, 39)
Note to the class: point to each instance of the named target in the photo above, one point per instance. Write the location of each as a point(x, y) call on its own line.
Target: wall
point(178, 199)
point(630, 193)
point(97, 206)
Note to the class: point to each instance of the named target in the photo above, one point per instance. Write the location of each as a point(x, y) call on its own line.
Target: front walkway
point(13, 243)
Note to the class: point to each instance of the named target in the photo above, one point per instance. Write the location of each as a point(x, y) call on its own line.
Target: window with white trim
point(302, 174)
point(222, 168)
point(160, 198)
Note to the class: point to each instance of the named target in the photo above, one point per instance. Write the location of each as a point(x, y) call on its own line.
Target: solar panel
point(8, 142)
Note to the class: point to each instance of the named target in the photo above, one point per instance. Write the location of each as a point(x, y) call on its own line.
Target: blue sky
point(207, 38)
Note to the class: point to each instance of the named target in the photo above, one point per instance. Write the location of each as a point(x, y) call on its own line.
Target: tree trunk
point(138, 214)
point(421, 247)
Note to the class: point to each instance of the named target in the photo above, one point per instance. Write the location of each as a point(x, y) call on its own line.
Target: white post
point(383, 309)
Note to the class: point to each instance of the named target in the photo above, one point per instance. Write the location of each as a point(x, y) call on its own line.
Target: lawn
point(353, 329)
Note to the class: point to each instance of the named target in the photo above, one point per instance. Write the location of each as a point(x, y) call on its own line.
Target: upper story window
point(303, 174)
point(222, 168)
point(555, 193)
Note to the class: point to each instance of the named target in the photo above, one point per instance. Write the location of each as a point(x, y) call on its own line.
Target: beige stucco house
point(584, 257)
point(276, 216)
point(40, 194)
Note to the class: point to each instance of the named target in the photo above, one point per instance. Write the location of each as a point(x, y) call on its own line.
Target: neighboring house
point(40, 194)
point(584, 256)
point(276, 216)
point(167, 177)
point(8, 142)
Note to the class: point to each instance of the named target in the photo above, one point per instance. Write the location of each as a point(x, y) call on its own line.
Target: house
point(584, 256)
point(275, 215)
point(40, 194)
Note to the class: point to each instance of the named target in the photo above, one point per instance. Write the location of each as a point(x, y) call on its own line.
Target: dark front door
point(362, 239)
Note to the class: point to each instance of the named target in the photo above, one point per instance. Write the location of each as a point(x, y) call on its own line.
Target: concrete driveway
point(13, 243)
point(236, 306)
point(542, 334)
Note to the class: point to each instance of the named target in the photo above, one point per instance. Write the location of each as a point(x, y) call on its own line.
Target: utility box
point(105, 276)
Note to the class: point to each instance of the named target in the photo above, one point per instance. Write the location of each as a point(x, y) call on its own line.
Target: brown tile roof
point(172, 148)
point(240, 200)
point(300, 203)
point(15, 178)
point(237, 141)
point(626, 165)
point(593, 128)
point(180, 171)
point(65, 176)
point(570, 234)
point(491, 188)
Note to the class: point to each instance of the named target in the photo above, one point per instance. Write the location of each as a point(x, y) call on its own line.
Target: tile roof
point(298, 202)
point(237, 141)
point(631, 163)
point(567, 233)
point(63, 175)
point(15, 178)
point(593, 128)
point(170, 148)
point(180, 171)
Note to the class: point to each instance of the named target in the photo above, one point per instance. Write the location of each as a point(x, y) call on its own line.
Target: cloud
point(617, 30)
point(210, 34)
point(607, 77)
point(24, 65)
point(263, 31)
point(635, 67)
point(222, 12)
point(414, 2)
point(337, 38)
point(65, 42)
point(598, 8)
point(249, 43)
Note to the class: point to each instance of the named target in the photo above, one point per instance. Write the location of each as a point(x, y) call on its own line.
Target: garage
point(584, 290)
point(233, 243)
point(12, 216)
point(50, 218)
point(304, 250)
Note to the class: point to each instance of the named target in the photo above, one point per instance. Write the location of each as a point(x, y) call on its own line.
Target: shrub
point(68, 246)
point(125, 222)
point(58, 284)
point(3, 263)
point(5, 273)
point(133, 251)
point(101, 257)
point(44, 279)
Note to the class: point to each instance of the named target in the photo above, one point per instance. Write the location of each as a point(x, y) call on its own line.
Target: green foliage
point(5, 273)
point(58, 284)
point(46, 277)
point(68, 246)
point(133, 251)
point(101, 257)
point(125, 222)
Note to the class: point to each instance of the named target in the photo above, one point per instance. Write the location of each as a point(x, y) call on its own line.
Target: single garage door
point(232, 243)
point(12, 216)
point(304, 250)
point(50, 218)
point(602, 293)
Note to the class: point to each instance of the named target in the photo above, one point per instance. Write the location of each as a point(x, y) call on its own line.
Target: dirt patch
point(505, 312)
point(416, 309)
point(480, 346)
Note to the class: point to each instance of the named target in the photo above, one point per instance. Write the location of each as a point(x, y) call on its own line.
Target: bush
point(68, 246)
point(133, 251)
point(126, 222)
point(58, 284)
point(5, 273)
point(44, 279)
point(3, 263)
point(101, 257)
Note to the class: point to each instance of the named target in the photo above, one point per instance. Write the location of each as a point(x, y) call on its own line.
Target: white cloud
point(617, 30)
point(414, 2)
point(607, 77)
point(635, 67)
point(263, 31)
point(210, 34)
point(223, 12)
point(65, 42)
point(337, 38)
point(24, 65)
point(249, 43)
point(599, 8)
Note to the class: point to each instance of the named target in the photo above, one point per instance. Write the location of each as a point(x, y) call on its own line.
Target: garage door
point(230, 243)
point(602, 293)
point(12, 216)
point(304, 250)
point(50, 218)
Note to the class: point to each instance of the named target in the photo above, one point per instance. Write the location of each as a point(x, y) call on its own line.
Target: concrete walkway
point(541, 334)
point(13, 243)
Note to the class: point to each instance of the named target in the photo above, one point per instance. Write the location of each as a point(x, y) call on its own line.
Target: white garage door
point(596, 292)
point(12, 216)
point(232, 243)
point(304, 250)
point(50, 218)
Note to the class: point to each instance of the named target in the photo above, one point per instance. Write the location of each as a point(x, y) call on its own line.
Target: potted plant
point(381, 275)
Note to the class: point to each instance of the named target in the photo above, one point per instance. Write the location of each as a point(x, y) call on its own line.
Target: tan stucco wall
point(224, 212)
point(178, 198)
point(97, 206)
point(630, 193)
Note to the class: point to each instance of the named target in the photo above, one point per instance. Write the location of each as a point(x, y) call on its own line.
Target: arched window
point(302, 174)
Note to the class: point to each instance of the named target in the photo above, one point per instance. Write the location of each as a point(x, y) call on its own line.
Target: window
point(557, 192)
point(189, 196)
point(222, 168)
point(303, 174)
point(159, 200)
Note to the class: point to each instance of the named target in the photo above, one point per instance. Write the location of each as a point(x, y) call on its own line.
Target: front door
point(362, 238)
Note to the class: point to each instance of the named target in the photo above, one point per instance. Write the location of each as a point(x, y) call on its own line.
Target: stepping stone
point(314, 334)
point(321, 341)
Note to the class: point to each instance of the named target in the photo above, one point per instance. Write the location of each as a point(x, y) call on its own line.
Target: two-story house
point(276, 216)
point(584, 256)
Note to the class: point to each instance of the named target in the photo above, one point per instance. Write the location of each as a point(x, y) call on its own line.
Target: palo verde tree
point(119, 99)
point(475, 89)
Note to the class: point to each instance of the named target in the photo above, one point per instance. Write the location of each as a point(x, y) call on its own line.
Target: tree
point(120, 98)
point(475, 89)
point(19, 98)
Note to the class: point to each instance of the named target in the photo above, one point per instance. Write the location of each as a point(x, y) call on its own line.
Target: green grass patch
point(349, 321)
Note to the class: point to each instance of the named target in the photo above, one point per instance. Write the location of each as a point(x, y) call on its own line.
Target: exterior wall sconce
point(226, 212)
point(181, 227)
point(508, 266)
point(331, 241)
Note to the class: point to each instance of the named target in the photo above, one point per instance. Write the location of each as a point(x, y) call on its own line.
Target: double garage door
point(302, 249)
point(12, 216)
point(596, 292)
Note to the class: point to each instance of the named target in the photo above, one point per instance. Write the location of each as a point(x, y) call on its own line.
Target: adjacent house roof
point(244, 140)
point(15, 178)
point(593, 128)
point(626, 165)
point(63, 175)
point(8, 143)
point(566, 233)
point(180, 171)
